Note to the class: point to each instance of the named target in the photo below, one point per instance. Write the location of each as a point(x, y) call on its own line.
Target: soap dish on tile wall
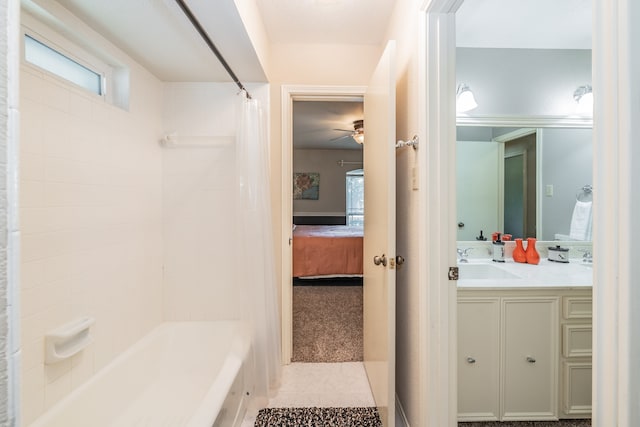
point(67, 340)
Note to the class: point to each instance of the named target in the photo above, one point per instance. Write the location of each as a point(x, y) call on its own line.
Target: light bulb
point(465, 101)
point(584, 99)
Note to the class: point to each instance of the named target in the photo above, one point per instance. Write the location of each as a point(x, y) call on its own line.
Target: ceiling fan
point(357, 133)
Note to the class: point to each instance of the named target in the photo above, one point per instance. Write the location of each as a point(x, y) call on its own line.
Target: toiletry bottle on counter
point(498, 249)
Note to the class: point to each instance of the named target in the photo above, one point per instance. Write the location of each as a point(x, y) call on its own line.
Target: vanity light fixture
point(465, 101)
point(584, 99)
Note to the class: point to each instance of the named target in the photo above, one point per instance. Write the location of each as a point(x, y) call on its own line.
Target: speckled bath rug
point(563, 423)
point(315, 417)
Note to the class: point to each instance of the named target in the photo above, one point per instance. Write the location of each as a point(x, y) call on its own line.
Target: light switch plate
point(548, 191)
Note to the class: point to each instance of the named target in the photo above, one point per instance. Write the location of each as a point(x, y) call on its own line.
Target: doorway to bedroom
point(328, 220)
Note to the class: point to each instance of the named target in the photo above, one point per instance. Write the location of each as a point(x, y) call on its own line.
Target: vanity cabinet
point(524, 354)
point(479, 359)
point(508, 346)
point(530, 358)
point(575, 359)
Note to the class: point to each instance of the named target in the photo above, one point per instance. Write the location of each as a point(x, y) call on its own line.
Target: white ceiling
point(315, 124)
point(158, 35)
point(326, 21)
point(532, 24)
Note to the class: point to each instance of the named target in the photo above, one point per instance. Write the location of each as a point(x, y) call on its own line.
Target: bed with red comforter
point(327, 250)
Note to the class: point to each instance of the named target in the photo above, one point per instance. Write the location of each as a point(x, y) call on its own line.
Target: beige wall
point(294, 64)
point(90, 214)
point(404, 29)
point(250, 15)
point(333, 181)
point(353, 65)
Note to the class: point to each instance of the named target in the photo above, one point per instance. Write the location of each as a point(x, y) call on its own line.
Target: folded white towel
point(581, 221)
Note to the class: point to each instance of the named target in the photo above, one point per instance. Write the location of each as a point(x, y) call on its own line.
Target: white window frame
point(349, 212)
point(41, 33)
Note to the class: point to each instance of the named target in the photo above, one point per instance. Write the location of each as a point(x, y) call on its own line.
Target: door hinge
point(453, 273)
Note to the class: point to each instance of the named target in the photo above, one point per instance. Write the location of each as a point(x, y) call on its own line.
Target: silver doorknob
point(377, 260)
point(471, 360)
point(399, 260)
point(531, 359)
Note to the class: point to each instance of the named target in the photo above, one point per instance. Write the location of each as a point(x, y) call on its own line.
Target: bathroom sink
point(483, 271)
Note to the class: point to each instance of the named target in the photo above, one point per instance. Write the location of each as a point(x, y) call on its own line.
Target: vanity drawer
point(577, 308)
point(576, 340)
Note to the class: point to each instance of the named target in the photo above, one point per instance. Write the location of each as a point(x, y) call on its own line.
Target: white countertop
point(547, 274)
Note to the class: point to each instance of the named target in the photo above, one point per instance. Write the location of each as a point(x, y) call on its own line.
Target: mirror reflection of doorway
point(515, 171)
point(520, 187)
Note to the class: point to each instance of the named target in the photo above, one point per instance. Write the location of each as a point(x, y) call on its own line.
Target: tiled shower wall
point(91, 220)
point(9, 232)
point(198, 184)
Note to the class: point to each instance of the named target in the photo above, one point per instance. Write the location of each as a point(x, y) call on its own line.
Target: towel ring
point(585, 194)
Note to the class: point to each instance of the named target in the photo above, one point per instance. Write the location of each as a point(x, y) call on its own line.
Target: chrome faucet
point(464, 254)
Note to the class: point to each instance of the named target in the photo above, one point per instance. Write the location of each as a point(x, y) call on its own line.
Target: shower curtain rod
point(212, 46)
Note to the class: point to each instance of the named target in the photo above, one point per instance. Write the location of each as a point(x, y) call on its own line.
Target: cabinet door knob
point(531, 359)
point(471, 360)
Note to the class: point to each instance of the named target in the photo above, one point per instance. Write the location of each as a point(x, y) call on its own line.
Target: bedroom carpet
point(327, 324)
point(312, 417)
point(563, 423)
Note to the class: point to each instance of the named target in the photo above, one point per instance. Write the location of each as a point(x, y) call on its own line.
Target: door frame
point(503, 139)
point(524, 170)
point(436, 219)
point(290, 93)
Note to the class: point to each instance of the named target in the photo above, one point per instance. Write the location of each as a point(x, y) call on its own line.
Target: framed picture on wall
point(306, 185)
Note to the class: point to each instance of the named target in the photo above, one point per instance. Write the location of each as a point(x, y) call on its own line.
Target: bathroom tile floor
point(321, 385)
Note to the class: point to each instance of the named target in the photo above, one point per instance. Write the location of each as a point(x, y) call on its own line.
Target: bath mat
point(327, 324)
point(563, 423)
point(312, 417)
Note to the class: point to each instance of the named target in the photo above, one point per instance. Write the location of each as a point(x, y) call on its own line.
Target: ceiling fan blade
point(344, 130)
point(340, 137)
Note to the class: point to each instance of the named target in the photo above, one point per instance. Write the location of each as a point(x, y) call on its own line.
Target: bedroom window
point(355, 197)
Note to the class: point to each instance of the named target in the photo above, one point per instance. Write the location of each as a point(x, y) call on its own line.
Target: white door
point(379, 232)
point(477, 183)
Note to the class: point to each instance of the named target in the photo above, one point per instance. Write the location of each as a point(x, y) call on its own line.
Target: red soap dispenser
point(532, 255)
point(519, 254)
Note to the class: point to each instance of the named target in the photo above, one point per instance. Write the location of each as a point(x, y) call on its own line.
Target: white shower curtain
point(255, 266)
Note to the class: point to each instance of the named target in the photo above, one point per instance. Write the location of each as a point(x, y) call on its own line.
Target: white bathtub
point(189, 374)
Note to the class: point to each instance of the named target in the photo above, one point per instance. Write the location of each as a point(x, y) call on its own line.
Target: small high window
point(51, 60)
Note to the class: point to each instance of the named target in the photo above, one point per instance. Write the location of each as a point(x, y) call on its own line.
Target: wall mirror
point(524, 149)
point(523, 179)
